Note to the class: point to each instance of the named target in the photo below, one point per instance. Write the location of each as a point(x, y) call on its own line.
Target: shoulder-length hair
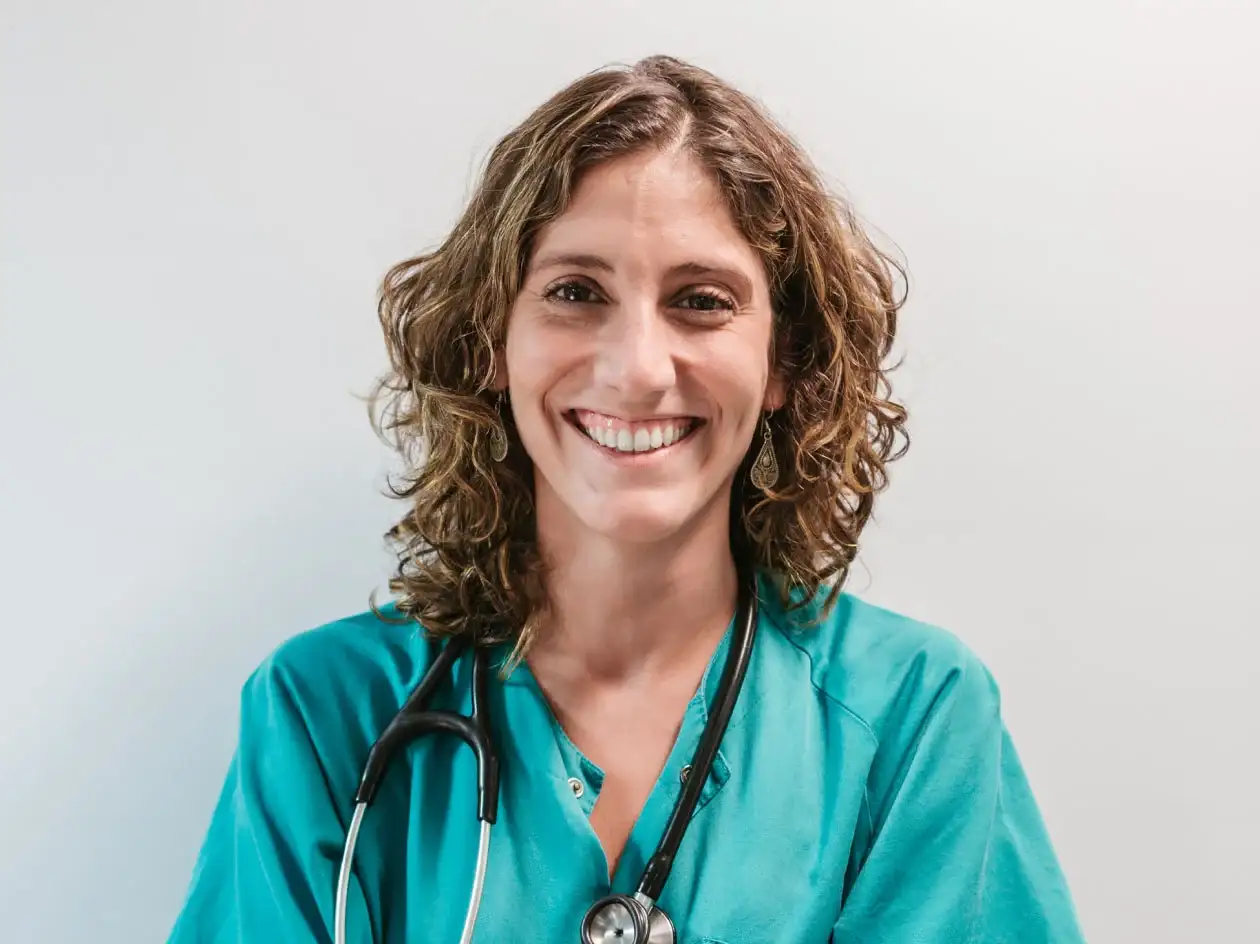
point(468, 560)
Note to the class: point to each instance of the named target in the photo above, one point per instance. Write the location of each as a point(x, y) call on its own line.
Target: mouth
point(620, 439)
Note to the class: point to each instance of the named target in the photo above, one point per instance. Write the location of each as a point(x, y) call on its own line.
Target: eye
point(571, 292)
point(706, 302)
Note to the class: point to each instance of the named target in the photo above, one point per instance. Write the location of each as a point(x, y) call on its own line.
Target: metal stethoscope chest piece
point(619, 919)
point(624, 919)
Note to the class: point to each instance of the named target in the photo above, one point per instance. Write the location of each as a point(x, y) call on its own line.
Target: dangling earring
point(498, 434)
point(765, 468)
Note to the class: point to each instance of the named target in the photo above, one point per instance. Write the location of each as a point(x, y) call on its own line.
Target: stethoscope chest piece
point(627, 919)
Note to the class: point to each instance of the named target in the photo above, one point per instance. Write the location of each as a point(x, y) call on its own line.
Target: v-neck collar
point(577, 780)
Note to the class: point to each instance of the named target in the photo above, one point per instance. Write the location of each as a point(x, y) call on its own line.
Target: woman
point(642, 375)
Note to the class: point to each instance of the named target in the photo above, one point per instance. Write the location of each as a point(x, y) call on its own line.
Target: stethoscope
point(626, 919)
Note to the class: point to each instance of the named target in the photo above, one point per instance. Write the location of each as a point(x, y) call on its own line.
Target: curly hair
point(468, 560)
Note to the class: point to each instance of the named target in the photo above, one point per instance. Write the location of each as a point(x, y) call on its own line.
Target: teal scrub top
point(866, 791)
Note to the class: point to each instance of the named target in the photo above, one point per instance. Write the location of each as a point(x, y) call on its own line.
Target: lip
point(645, 418)
point(635, 458)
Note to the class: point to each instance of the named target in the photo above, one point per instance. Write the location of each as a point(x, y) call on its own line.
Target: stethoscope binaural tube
point(413, 721)
point(635, 919)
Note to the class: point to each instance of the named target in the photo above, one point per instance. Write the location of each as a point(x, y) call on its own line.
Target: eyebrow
point(577, 260)
point(583, 260)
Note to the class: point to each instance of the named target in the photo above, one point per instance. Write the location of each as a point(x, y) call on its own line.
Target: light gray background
point(199, 198)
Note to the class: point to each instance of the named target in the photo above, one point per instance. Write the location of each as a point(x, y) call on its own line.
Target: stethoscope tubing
point(414, 720)
point(347, 860)
point(479, 884)
point(729, 686)
point(343, 877)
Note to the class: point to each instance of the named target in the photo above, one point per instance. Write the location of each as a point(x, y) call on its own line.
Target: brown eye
point(575, 293)
point(704, 301)
point(708, 306)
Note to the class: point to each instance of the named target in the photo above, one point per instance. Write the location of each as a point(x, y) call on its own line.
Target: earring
point(498, 434)
point(765, 468)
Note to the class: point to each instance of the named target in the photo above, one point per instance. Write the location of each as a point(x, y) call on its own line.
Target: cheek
point(739, 377)
point(526, 355)
point(539, 365)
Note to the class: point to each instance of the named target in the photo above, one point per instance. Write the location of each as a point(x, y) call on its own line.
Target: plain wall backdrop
point(200, 198)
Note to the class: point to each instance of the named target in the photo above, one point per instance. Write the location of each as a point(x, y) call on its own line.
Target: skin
point(641, 302)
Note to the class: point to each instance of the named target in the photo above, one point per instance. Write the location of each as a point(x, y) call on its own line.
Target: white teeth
point(643, 439)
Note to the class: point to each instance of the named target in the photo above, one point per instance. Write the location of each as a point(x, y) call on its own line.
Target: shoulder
point(356, 653)
point(887, 669)
point(329, 691)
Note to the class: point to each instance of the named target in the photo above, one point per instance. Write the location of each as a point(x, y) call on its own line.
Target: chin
point(638, 519)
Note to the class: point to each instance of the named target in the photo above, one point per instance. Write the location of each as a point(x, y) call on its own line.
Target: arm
point(267, 870)
point(959, 853)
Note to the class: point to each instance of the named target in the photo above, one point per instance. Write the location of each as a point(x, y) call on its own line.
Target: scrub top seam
point(287, 687)
point(813, 681)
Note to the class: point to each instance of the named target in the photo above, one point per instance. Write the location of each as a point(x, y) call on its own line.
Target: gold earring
point(498, 434)
point(765, 468)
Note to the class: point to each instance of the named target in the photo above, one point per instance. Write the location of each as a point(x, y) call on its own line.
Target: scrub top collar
point(528, 713)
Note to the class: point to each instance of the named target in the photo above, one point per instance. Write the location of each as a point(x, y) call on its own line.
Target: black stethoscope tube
point(413, 721)
point(634, 918)
point(729, 687)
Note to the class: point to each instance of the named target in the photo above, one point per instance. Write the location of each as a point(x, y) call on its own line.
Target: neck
point(620, 611)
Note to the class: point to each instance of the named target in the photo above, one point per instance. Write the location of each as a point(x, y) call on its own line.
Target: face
point(637, 359)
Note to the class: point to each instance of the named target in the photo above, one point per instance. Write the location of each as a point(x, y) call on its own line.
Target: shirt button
point(684, 773)
point(577, 787)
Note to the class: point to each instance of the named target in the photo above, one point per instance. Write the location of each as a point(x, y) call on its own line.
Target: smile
point(619, 436)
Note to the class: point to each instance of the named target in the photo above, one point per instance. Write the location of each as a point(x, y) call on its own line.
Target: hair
point(468, 560)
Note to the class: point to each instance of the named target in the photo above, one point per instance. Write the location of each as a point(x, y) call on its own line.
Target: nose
point(636, 355)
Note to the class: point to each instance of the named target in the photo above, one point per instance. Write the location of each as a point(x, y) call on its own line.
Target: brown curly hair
point(468, 561)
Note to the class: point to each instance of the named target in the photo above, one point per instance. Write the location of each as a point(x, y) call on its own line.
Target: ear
point(776, 392)
point(500, 381)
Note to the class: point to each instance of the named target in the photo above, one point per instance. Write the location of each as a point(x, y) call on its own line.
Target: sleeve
point(267, 869)
point(958, 853)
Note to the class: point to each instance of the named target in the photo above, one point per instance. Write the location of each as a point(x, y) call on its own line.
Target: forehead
point(654, 203)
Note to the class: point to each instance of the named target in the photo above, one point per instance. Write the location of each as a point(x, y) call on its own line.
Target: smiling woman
point(641, 390)
point(618, 321)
